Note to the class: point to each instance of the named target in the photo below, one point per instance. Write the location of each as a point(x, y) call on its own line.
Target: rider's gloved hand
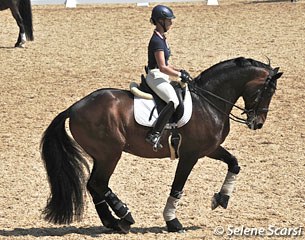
point(185, 76)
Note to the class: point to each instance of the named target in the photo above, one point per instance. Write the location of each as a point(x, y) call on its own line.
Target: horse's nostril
point(259, 126)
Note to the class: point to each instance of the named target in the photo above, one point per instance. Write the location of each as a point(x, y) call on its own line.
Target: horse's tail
point(25, 9)
point(65, 169)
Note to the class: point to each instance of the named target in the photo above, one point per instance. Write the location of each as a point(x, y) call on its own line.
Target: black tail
point(25, 9)
point(65, 168)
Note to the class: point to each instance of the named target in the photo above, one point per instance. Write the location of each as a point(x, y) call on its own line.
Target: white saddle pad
point(144, 117)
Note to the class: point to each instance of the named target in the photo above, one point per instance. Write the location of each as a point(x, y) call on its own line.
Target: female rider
point(159, 71)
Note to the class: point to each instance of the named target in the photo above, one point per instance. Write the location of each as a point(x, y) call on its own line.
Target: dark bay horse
point(103, 125)
point(22, 12)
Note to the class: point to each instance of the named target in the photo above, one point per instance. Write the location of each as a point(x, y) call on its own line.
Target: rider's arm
point(169, 70)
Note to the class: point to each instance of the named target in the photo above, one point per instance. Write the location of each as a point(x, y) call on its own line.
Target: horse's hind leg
point(101, 206)
point(121, 210)
point(96, 125)
point(222, 197)
point(21, 36)
point(103, 198)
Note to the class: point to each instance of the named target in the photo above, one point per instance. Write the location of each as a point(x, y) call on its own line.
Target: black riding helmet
point(161, 12)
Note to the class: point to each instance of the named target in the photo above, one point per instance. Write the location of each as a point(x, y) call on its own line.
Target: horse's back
point(101, 103)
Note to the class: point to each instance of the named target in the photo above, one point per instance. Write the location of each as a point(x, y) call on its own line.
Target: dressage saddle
point(160, 104)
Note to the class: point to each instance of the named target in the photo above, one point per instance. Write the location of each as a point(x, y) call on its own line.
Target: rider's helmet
point(161, 12)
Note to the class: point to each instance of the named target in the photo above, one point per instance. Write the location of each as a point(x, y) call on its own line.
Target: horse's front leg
point(222, 197)
point(183, 170)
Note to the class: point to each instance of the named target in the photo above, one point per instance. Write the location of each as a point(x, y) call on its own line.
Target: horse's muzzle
point(254, 122)
point(254, 126)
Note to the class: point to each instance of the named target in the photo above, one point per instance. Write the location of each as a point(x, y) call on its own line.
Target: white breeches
point(160, 84)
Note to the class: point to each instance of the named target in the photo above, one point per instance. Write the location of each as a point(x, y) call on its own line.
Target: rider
point(159, 71)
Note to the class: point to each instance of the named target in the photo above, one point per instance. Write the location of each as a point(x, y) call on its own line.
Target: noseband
point(260, 93)
point(253, 112)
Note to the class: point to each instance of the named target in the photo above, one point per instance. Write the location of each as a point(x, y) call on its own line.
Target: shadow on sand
point(89, 231)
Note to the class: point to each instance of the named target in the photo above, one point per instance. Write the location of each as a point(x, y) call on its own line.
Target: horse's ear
point(275, 70)
point(277, 76)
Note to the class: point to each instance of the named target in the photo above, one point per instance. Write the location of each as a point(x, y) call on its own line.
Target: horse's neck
point(232, 92)
point(222, 93)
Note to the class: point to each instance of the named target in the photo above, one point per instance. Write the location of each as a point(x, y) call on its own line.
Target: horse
point(102, 126)
point(22, 12)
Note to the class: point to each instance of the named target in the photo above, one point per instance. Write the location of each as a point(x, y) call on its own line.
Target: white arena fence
point(46, 2)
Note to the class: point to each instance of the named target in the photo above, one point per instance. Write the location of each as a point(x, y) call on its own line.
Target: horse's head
point(257, 97)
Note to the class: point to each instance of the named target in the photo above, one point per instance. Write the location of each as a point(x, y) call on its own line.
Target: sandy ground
point(77, 51)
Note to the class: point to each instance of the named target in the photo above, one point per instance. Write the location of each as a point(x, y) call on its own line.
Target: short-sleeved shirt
point(157, 43)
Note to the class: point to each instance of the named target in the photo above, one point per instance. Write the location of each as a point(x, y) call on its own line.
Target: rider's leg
point(160, 84)
point(154, 135)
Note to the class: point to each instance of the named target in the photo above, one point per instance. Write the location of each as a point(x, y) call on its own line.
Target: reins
point(230, 115)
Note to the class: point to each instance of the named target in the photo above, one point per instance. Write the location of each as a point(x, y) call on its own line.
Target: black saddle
point(160, 104)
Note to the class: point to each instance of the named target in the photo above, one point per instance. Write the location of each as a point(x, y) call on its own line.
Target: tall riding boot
point(154, 135)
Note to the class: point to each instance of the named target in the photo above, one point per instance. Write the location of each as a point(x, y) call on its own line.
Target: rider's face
point(168, 23)
point(164, 24)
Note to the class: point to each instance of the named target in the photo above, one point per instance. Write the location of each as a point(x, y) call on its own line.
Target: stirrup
point(154, 139)
point(157, 146)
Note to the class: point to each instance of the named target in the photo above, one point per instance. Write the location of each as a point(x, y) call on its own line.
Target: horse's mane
point(235, 62)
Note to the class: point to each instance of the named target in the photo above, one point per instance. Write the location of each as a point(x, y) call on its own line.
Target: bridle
point(269, 84)
point(251, 113)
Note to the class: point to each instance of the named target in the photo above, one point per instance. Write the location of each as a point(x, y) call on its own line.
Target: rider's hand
point(185, 76)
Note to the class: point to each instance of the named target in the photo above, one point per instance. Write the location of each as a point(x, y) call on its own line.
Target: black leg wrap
point(220, 200)
point(106, 217)
point(119, 208)
point(174, 226)
point(235, 169)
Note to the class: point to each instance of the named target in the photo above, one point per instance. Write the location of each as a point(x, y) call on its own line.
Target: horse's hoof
point(124, 225)
point(19, 45)
point(174, 226)
point(113, 224)
point(220, 199)
point(214, 203)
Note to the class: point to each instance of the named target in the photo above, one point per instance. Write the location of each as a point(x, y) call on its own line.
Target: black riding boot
point(154, 135)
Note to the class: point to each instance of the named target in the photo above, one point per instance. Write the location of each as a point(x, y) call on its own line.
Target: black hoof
point(19, 45)
point(174, 226)
point(111, 224)
point(107, 219)
point(124, 225)
point(220, 199)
